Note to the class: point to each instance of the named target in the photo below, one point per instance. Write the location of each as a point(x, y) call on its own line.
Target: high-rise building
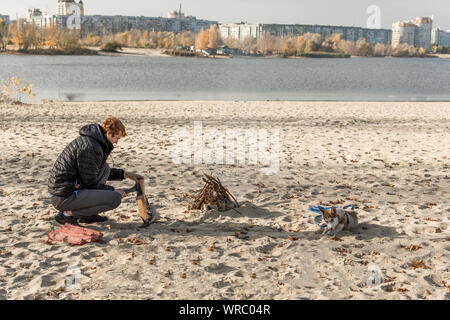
point(69, 14)
point(176, 14)
point(66, 7)
point(416, 32)
point(440, 37)
point(176, 22)
point(422, 38)
point(403, 32)
point(41, 20)
point(240, 31)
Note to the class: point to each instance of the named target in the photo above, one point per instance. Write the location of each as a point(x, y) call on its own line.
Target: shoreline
point(233, 101)
point(146, 52)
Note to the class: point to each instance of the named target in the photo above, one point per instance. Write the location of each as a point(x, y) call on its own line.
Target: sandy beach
point(390, 159)
point(133, 52)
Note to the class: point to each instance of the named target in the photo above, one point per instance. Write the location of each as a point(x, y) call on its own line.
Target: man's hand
point(122, 192)
point(133, 176)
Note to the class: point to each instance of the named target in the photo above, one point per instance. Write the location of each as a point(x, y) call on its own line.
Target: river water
point(89, 78)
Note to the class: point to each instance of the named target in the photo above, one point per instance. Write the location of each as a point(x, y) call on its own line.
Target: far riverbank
point(147, 52)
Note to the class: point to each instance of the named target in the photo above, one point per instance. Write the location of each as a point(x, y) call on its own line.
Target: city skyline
point(350, 13)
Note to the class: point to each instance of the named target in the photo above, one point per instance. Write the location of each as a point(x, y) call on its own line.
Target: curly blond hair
point(114, 126)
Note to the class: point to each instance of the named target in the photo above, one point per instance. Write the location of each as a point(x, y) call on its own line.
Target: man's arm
point(133, 176)
point(116, 174)
point(120, 174)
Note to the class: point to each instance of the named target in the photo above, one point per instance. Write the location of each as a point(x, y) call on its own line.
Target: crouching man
point(77, 182)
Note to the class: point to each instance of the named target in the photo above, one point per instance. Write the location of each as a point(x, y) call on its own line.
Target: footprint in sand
point(219, 268)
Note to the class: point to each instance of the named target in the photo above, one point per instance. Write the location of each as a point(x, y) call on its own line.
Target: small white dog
point(338, 219)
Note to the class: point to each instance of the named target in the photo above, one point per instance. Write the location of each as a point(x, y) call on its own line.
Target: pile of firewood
point(213, 196)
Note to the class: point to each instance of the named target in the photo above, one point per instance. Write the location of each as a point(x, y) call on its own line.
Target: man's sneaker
point(62, 219)
point(92, 219)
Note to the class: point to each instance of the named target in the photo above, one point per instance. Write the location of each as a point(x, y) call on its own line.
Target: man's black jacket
point(81, 161)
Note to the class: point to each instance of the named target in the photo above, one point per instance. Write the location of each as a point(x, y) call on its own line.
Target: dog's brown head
point(329, 213)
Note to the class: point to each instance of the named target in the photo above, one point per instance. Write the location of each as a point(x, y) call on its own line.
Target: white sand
point(133, 52)
point(391, 159)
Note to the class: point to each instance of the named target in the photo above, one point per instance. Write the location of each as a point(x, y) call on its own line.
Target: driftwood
point(213, 195)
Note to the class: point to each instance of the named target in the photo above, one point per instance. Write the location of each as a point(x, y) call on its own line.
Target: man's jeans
point(89, 202)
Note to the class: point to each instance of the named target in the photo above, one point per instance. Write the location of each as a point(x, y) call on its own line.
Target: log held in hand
point(144, 210)
point(143, 207)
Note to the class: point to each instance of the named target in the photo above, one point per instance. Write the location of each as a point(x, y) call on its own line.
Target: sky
point(332, 12)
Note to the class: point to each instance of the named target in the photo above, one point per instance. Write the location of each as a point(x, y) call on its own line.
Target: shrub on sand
point(111, 46)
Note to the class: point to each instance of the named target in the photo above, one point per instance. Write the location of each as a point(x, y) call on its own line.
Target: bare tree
point(266, 43)
point(300, 45)
point(3, 34)
point(382, 50)
point(185, 39)
point(24, 35)
point(202, 40)
point(122, 38)
point(231, 42)
point(69, 39)
point(311, 46)
point(406, 50)
point(51, 36)
point(363, 48)
point(346, 47)
point(315, 37)
point(214, 38)
point(287, 46)
point(330, 44)
point(248, 45)
point(335, 38)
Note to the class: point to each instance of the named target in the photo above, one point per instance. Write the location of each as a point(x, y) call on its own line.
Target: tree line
point(29, 36)
point(440, 49)
point(316, 43)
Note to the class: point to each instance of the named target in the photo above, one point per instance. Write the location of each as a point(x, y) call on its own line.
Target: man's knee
point(117, 199)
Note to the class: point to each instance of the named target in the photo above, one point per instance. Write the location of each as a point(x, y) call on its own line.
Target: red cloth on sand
point(75, 235)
